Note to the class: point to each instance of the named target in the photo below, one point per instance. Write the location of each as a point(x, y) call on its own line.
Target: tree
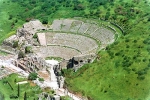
point(107, 15)
point(25, 96)
point(10, 17)
point(45, 20)
point(2, 96)
point(18, 90)
point(79, 7)
point(32, 76)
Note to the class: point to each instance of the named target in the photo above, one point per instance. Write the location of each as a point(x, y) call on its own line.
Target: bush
point(32, 76)
point(117, 54)
point(25, 96)
point(149, 65)
point(12, 96)
point(127, 40)
point(141, 77)
point(148, 49)
point(79, 7)
point(28, 49)
point(21, 54)
point(45, 21)
point(41, 79)
point(10, 17)
point(147, 41)
point(35, 36)
point(2, 96)
point(15, 44)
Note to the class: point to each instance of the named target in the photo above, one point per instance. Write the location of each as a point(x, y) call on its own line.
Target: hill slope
point(121, 72)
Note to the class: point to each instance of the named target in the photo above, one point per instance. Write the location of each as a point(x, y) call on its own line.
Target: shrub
point(15, 44)
point(45, 21)
point(21, 54)
point(127, 40)
point(18, 90)
point(2, 96)
point(127, 46)
point(141, 77)
point(41, 79)
point(32, 76)
point(78, 7)
point(147, 41)
point(149, 65)
point(10, 17)
point(35, 36)
point(148, 19)
point(25, 96)
point(117, 54)
point(13, 96)
point(148, 49)
point(28, 49)
point(135, 41)
point(144, 60)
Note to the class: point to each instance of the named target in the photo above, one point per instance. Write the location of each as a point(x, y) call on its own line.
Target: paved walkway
point(23, 82)
point(8, 64)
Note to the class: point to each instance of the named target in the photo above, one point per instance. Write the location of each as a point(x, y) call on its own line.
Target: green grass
point(65, 98)
point(6, 24)
point(3, 53)
point(122, 72)
point(32, 91)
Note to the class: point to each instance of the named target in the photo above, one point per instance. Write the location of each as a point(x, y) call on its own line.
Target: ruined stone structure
point(78, 61)
point(75, 41)
point(24, 35)
point(47, 96)
point(31, 64)
point(30, 28)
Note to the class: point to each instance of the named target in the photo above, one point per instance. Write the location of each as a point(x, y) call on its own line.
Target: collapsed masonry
point(76, 62)
point(47, 96)
point(79, 61)
point(24, 35)
point(31, 64)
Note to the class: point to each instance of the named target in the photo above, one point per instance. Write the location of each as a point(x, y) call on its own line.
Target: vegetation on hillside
point(12, 91)
point(121, 72)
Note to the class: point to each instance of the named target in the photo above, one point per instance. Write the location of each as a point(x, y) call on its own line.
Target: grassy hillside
point(9, 23)
point(122, 71)
point(11, 91)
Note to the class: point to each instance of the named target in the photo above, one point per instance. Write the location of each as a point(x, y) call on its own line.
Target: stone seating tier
point(55, 51)
point(79, 42)
point(104, 35)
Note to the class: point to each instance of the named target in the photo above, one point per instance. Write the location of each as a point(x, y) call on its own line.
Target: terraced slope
point(102, 33)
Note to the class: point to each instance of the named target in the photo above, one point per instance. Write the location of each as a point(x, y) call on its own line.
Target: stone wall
point(31, 64)
point(79, 61)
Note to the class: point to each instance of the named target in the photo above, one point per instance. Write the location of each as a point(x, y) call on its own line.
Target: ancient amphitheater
point(76, 41)
point(73, 40)
point(67, 38)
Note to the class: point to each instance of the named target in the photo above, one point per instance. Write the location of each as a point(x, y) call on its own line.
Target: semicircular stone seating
point(72, 37)
point(101, 33)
